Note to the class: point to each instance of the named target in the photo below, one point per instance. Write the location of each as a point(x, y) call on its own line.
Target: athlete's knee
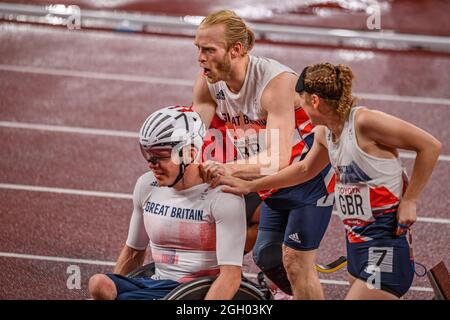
point(267, 255)
point(299, 263)
point(267, 252)
point(101, 287)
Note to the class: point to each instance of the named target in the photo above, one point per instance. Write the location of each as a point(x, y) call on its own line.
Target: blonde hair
point(332, 81)
point(235, 29)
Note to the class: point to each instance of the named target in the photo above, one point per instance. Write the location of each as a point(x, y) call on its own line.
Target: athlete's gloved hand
point(406, 216)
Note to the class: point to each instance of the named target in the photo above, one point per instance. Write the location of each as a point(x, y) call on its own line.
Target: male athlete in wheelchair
point(196, 233)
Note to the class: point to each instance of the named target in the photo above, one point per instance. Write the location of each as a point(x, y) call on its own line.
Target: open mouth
point(206, 71)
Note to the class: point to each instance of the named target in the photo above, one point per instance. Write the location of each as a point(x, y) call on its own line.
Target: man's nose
point(152, 165)
point(201, 56)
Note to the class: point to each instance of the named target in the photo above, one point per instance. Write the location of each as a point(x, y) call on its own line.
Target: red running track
point(428, 17)
point(112, 81)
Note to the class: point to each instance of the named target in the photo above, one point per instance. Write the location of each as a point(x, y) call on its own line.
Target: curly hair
point(333, 84)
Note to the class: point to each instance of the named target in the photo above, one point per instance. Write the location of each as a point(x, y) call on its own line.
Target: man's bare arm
point(298, 172)
point(278, 101)
point(226, 285)
point(203, 103)
point(129, 259)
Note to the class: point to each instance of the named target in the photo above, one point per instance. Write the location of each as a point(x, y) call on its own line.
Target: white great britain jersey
point(244, 111)
point(191, 232)
point(368, 189)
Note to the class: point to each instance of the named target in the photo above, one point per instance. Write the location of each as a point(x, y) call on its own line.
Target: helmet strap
point(180, 174)
point(182, 169)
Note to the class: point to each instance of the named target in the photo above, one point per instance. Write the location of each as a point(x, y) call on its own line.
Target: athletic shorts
point(391, 268)
point(303, 226)
point(141, 288)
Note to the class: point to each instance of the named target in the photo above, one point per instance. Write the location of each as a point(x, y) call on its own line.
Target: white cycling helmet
point(172, 127)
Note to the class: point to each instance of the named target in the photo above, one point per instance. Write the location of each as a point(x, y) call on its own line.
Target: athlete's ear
point(315, 100)
point(236, 50)
point(194, 154)
point(188, 154)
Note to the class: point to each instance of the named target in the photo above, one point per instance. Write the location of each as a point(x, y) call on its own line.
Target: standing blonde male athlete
point(251, 94)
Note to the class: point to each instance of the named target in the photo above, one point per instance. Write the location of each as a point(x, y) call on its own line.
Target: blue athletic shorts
point(391, 260)
point(303, 226)
point(141, 288)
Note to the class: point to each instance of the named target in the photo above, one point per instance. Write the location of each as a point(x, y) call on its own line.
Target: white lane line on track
point(56, 259)
point(341, 282)
point(190, 83)
point(121, 134)
point(115, 195)
point(423, 219)
point(412, 155)
point(396, 98)
point(112, 263)
point(66, 129)
point(76, 192)
point(97, 75)
point(346, 283)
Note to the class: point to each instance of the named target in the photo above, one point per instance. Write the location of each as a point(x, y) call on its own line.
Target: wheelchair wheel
point(197, 289)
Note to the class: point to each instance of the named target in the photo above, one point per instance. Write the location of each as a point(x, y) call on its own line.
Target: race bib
point(353, 201)
point(247, 146)
point(381, 258)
